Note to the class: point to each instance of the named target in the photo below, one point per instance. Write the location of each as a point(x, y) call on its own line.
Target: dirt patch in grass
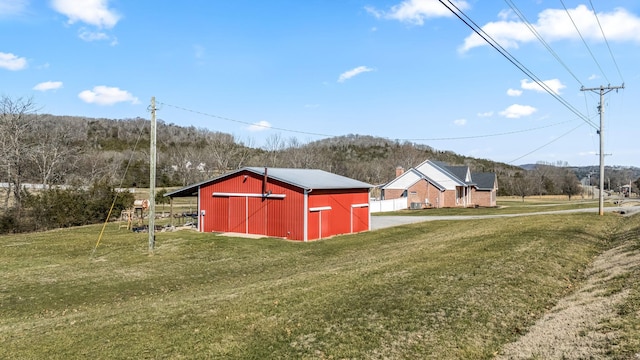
point(573, 328)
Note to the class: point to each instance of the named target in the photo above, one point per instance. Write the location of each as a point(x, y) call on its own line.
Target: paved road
point(380, 222)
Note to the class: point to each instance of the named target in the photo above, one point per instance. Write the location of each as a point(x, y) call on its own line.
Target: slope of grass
point(430, 290)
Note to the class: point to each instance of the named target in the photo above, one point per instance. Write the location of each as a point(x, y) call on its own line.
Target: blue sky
point(407, 70)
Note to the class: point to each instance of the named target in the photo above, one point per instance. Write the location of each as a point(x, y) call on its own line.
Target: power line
point(539, 37)
point(408, 139)
point(246, 122)
point(493, 43)
point(489, 135)
point(606, 41)
point(397, 139)
point(583, 41)
point(545, 145)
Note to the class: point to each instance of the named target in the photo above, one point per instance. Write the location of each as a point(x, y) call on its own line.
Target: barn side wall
point(271, 216)
point(342, 217)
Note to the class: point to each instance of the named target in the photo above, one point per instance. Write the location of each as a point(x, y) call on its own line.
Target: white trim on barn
point(267, 195)
point(320, 208)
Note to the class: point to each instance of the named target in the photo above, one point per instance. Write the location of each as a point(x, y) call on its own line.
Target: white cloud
point(506, 14)
point(460, 122)
point(416, 11)
point(259, 126)
point(104, 95)
point(485, 114)
point(514, 92)
point(12, 62)
point(13, 7)
point(593, 77)
point(516, 111)
point(48, 85)
point(587, 153)
point(88, 35)
point(353, 72)
point(92, 12)
point(554, 85)
point(555, 25)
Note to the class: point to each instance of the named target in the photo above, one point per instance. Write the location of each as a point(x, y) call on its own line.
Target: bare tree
point(274, 147)
point(222, 150)
point(97, 166)
point(184, 164)
point(570, 184)
point(522, 184)
point(298, 155)
point(542, 174)
point(16, 124)
point(55, 153)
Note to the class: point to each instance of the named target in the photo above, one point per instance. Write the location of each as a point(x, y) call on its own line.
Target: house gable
point(440, 175)
point(404, 181)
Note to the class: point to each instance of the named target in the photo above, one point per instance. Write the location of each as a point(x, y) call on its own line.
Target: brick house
point(436, 184)
point(485, 190)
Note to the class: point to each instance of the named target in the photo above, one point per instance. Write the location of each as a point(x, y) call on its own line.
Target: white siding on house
point(404, 181)
point(467, 177)
point(438, 176)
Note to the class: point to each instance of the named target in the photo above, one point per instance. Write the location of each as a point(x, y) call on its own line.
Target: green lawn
point(441, 290)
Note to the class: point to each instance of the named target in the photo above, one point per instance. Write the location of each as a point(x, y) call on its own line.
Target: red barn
point(297, 204)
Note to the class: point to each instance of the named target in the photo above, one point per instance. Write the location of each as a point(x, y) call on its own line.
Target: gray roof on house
point(484, 181)
point(459, 171)
point(302, 178)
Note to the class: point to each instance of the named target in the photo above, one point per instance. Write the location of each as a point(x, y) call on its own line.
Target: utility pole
point(602, 90)
point(152, 178)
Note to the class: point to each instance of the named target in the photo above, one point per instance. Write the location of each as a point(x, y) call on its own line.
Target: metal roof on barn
point(302, 178)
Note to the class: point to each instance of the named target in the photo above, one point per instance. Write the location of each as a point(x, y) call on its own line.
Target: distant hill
point(61, 150)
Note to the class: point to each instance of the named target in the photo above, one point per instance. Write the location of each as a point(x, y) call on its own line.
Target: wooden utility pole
point(602, 90)
point(152, 178)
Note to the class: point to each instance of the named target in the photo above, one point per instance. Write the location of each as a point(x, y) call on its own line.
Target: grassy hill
point(442, 290)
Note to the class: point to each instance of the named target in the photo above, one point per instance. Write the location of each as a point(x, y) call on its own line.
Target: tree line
point(81, 153)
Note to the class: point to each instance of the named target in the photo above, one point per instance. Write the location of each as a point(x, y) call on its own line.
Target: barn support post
point(171, 211)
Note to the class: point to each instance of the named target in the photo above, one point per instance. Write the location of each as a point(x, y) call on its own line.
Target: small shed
point(296, 204)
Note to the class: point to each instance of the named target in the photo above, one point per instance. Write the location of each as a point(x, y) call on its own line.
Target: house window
point(404, 193)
